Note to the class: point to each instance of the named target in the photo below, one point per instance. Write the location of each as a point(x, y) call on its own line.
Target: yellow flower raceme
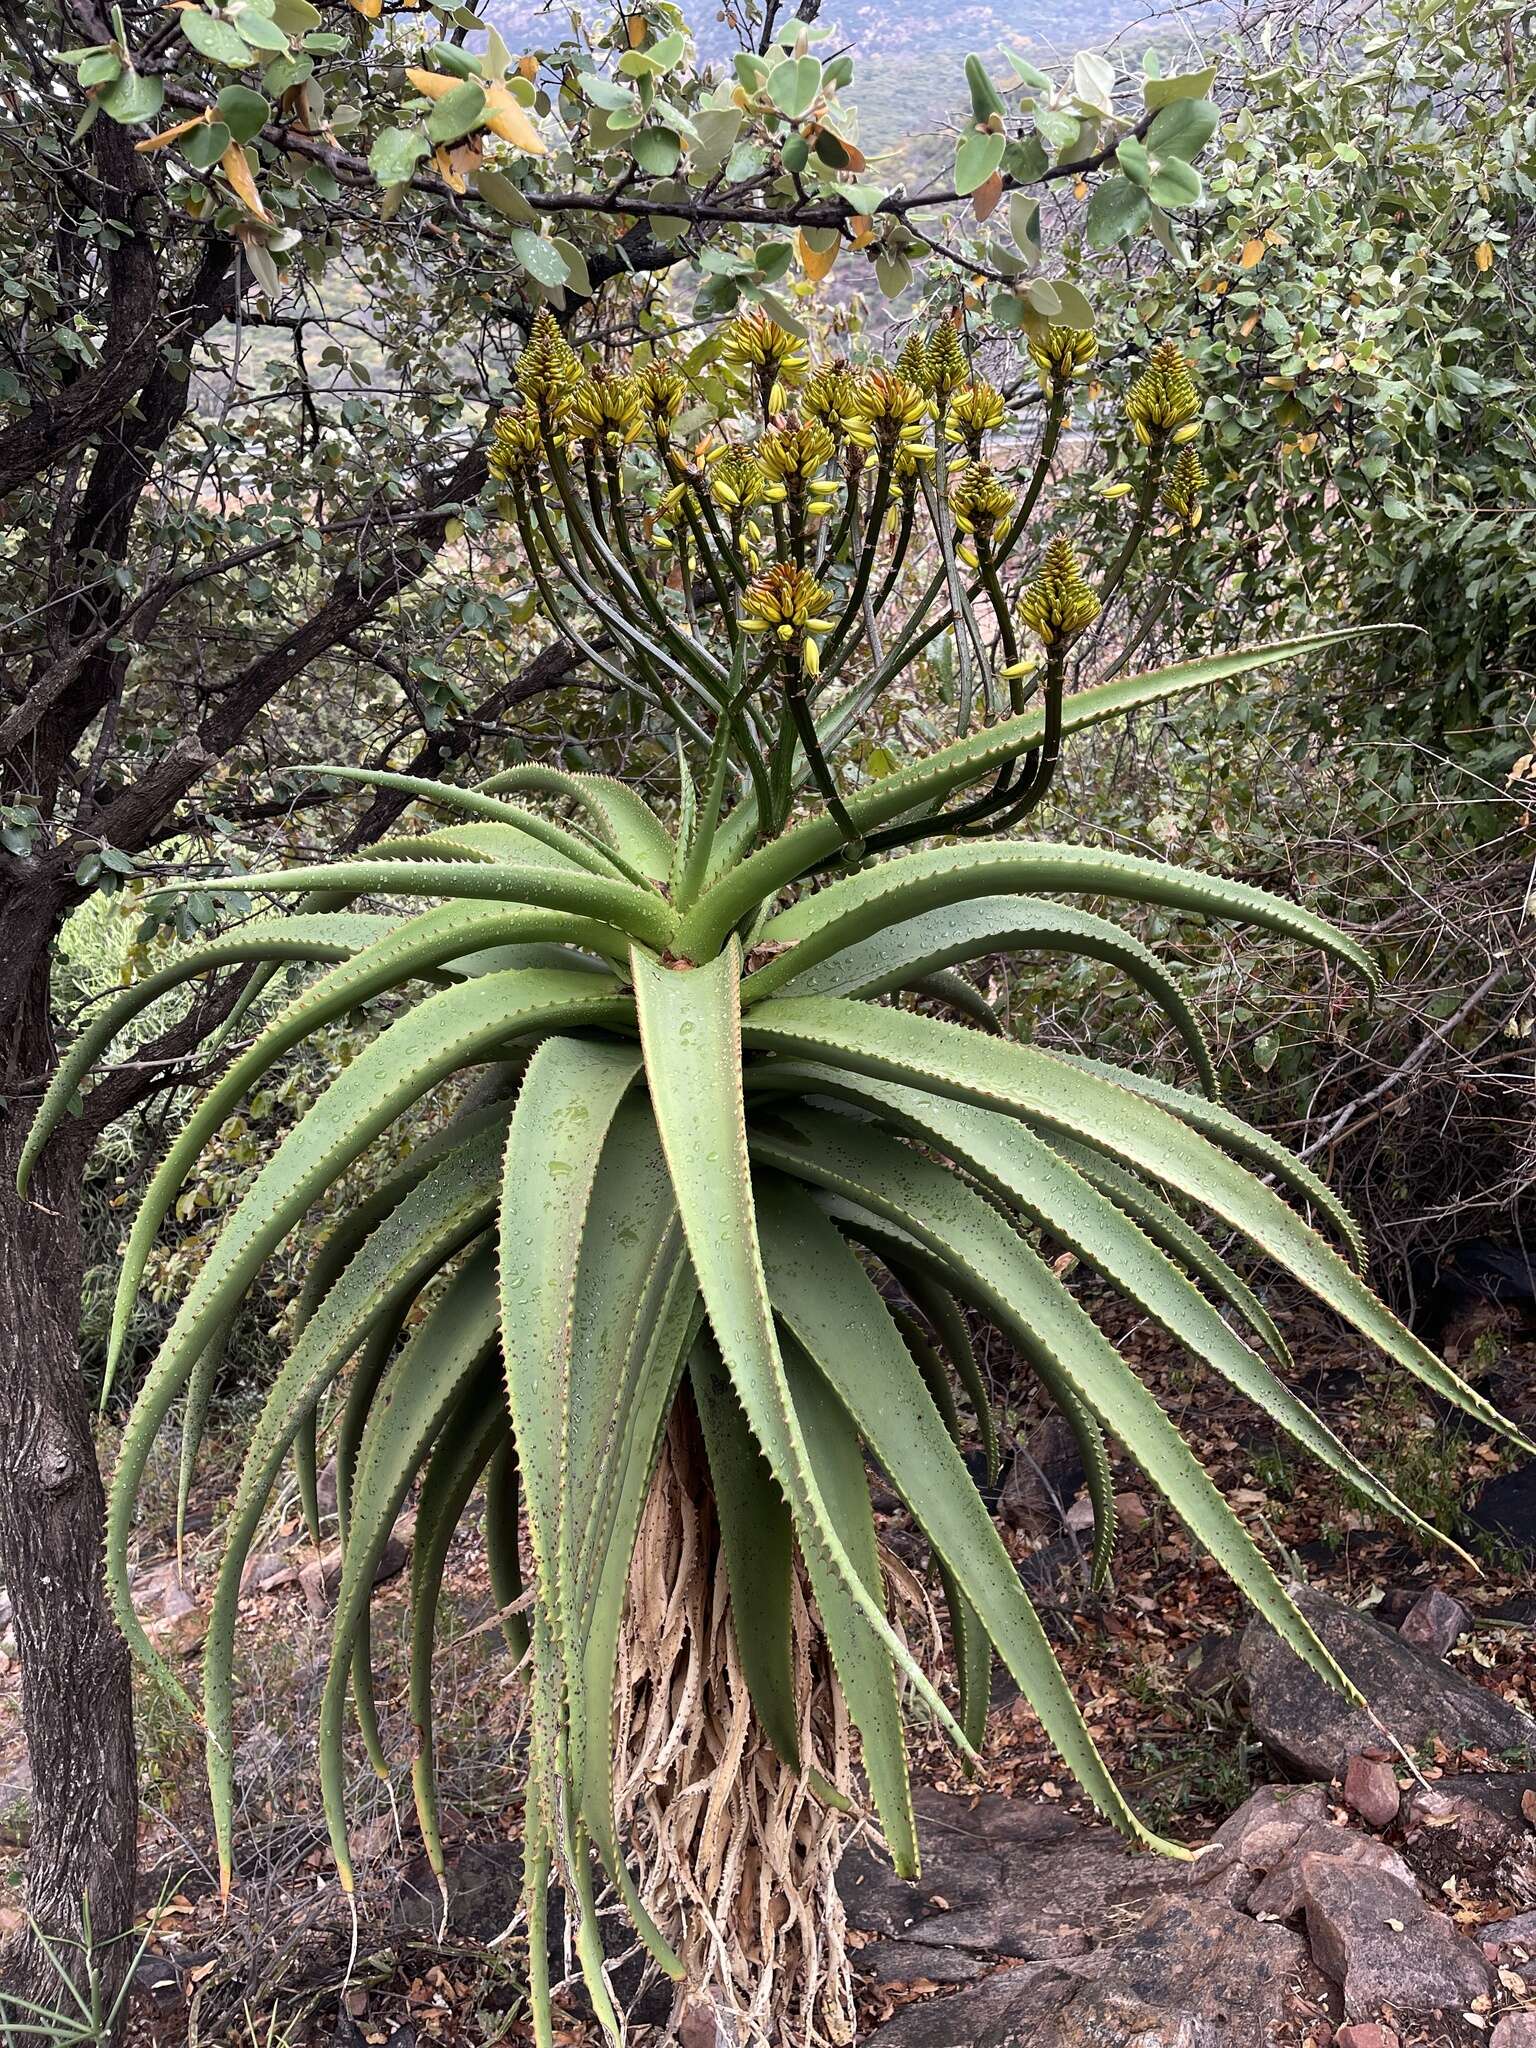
point(661, 392)
point(738, 481)
point(894, 416)
point(914, 363)
point(1058, 605)
point(1163, 405)
point(548, 368)
point(831, 399)
point(605, 412)
point(793, 457)
point(982, 505)
point(774, 356)
point(790, 604)
point(947, 365)
point(975, 410)
point(517, 445)
point(1185, 489)
point(1062, 353)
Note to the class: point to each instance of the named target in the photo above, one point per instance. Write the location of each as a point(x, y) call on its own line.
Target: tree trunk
point(77, 1703)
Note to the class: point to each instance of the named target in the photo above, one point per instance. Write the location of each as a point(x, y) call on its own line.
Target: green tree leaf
point(212, 37)
point(976, 159)
point(1117, 209)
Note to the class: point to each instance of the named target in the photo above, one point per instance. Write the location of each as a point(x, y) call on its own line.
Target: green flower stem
point(1146, 503)
point(1146, 625)
point(627, 628)
point(1055, 419)
point(687, 650)
point(1002, 612)
point(691, 657)
point(805, 728)
point(838, 647)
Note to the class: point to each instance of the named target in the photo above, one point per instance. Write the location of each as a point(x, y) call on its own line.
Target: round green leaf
point(976, 159)
point(794, 84)
point(259, 30)
point(100, 67)
point(243, 112)
point(1117, 209)
point(657, 151)
point(206, 145)
point(396, 154)
point(457, 113)
point(542, 260)
point(1133, 160)
point(1184, 129)
point(1176, 184)
point(133, 98)
point(220, 40)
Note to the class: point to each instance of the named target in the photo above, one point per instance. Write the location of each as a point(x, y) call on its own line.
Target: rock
point(1046, 1471)
point(1370, 1789)
point(1015, 1878)
point(1284, 1892)
point(1506, 1508)
point(1194, 1974)
point(1476, 1828)
point(325, 1488)
point(903, 1962)
point(1503, 1936)
point(1312, 1728)
point(320, 1578)
point(267, 1571)
point(178, 1625)
point(1515, 2030)
point(1435, 1623)
point(1366, 2036)
point(1375, 1937)
point(1079, 1517)
point(1258, 1837)
point(1131, 1511)
point(1214, 1667)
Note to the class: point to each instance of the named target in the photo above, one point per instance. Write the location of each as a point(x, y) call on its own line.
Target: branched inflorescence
point(678, 502)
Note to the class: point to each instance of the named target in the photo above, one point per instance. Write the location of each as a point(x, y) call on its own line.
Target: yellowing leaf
point(238, 173)
point(1253, 251)
point(169, 135)
point(442, 163)
point(1305, 444)
point(815, 262)
point(528, 67)
point(1249, 325)
point(503, 115)
point(507, 119)
point(369, 9)
point(984, 199)
point(1483, 256)
point(861, 230)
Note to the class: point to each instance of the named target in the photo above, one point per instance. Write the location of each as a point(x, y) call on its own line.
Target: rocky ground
point(1364, 1881)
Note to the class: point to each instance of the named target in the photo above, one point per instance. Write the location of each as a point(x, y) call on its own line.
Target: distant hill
point(910, 52)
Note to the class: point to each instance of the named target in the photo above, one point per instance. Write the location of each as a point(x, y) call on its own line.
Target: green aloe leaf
point(863, 1666)
point(623, 819)
point(689, 1031)
point(829, 1301)
point(757, 1543)
point(981, 1251)
point(840, 916)
point(1062, 1096)
point(760, 877)
point(997, 924)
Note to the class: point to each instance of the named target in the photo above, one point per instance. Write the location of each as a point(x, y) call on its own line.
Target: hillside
point(909, 51)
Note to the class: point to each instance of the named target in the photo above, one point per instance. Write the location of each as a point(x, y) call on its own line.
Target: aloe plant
point(712, 1157)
